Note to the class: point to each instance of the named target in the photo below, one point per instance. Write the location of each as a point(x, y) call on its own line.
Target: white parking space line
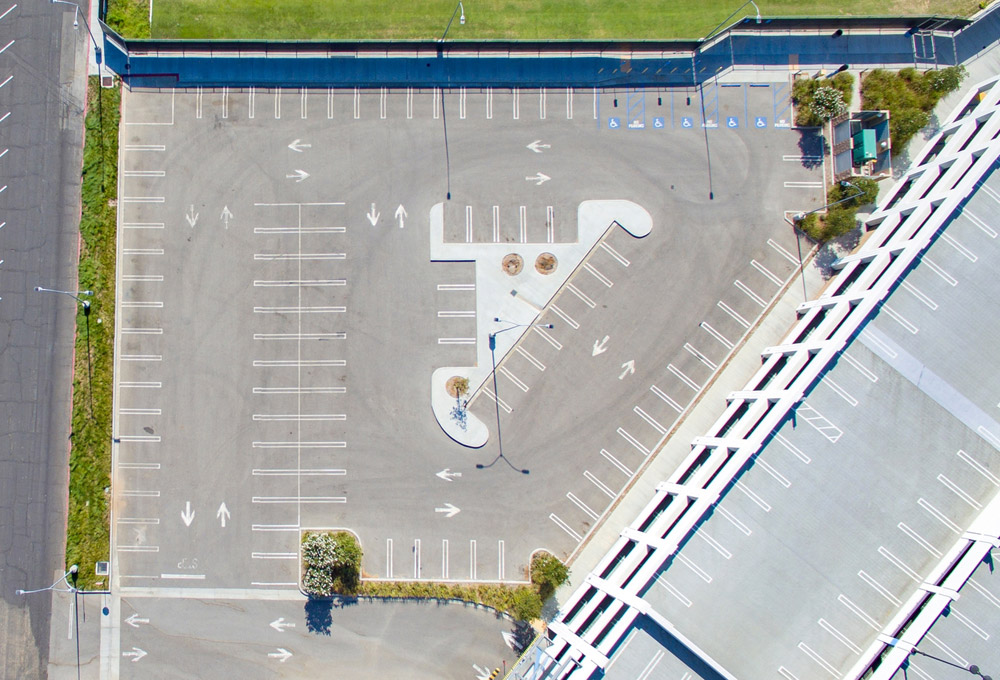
point(597, 275)
point(299, 445)
point(900, 319)
point(141, 305)
point(954, 488)
point(651, 665)
point(144, 173)
point(760, 502)
point(583, 506)
point(357, 104)
point(683, 599)
point(513, 378)
point(299, 390)
point(382, 102)
point(504, 405)
point(388, 558)
point(142, 251)
point(686, 380)
point(799, 158)
point(547, 337)
point(565, 317)
point(489, 103)
point(225, 102)
point(138, 520)
point(300, 230)
point(990, 597)
point(145, 147)
point(750, 294)
point(138, 548)
point(953, 242)
point(768, 274)
point(501, 560)
point(614, 253)
point(468, 224)
point(843, 639)
point(298, 417)
point(276, 528)
point(792, 448)
point(733, 315)
point(985, 228)
point(744, 529)
point(666, 398)
point(250, 101)
point(522, 213)
point(142, 278)
point(277, 104)
point(938, 515)
point(444, 559)
point(531, 359)
point(457, 314)
point(898, 563)
point(269, 556)
point(456, 286)
point(967, 622)
point(139, 438)
point(857, 611)
point(133, 493)
point(6, 80)
point(299, 256)
point(496, 224)
point(516, 112)
point(472, 558)
point(141, 357)
point(787, 674)
point(260, 283)
point(298, 363)
point(300, 336)
point(550, 224)
point(979, 467)
point(541, 103)
point(139, 411)
point(699, 356)
point(701, 573)
point(565, 527)
point(649, 419)
point(569, 103)
point(142, 225)
point(305, 472)
point(947, 650)
point(617, 463)
point(769, 469)
point(198, 99)
point(633, 441)
point(718, 547)
point(879, 588)
point(595, 103)
point(580, 294)
point(803, 185)
point(820, 422)
point(416, 558)
point(152, 385)
point(840, 391)
point(782, 251)
point(986, 434)
point(456, 341)
point(716, 334)
point(139, 466)
point(298, 499)
point(860, 368)
point(812, 654)
point(934, 267)
point(605, 489)
point(918, 539)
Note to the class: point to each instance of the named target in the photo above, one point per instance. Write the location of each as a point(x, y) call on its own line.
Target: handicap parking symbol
point(614, 123)
point(658, 123)
point(732, 122)
point(760, 122)
point(687, 122)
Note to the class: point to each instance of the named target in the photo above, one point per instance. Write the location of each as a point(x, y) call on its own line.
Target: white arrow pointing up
point(298, 175)
point(136, 654)
point(400, 214)
point(297, 145)
point(629, 367)
point(537, 146)
point(188, 514)
point(226, 216)
point(600, 346)
point(281, 655)
point(447, 474)
point(449, 510)
point(135, 621)
point(538, 178)
point(280, 624)
point(192, 216)
point(373, 216)
point(223, 514)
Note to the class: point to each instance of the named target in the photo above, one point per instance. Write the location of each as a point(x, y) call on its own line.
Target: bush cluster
point(840, 218)
point(331, 563)
point(909, 96)
point(817, 100)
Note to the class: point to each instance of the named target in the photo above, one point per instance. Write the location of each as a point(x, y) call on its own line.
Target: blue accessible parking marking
point(732, 122)
point(658, 123)
point(760, 122)
point(614, 123)
point(687, 122)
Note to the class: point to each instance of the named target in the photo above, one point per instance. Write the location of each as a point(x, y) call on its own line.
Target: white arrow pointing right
point(538, 178)
point(281, 655)
point(449, 510)
point(136, 654)
point(298, 175)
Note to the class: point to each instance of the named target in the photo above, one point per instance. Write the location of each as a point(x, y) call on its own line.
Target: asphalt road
point(42, 68)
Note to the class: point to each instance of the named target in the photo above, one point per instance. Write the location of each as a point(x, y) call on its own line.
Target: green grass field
point(491, 19)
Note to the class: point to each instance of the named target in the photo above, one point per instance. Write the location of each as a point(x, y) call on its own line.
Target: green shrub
point(835, 95)
point(828, 102)
point(909, 96)
point(331, 563)
point(547, 573)
point(866, 185)
point(527, 605)
point(839, 221)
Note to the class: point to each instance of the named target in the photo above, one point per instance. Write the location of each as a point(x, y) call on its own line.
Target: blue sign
point(657, 123)
point(732, 122)
point(760, 122)
point(614, 123)
point(687, 122)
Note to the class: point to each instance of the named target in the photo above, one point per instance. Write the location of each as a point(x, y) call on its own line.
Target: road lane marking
point(299, 499)
point(299, 256)
point(550, 224)
point(300, 336)
point(272, 528)
point(496, 224)
point(416, 558)
point(300, 445)
point(290, 283)
point(472, 558)
point(297, 363)
point(468, 224)
point(299, 390)
point(305, 472)
point(298, 417)
point(138, 520)
point(274, 555)
point(522, 213)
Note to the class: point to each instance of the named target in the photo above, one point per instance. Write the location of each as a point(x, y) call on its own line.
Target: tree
point(547, 573)
point(828, 102)
point(839, 221)
point(527, 605)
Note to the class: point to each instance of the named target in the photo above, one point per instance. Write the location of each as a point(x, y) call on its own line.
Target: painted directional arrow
point(509, 639)
point(537, 146)
point(280, 624)
point(188, 514)
point(135, 621)
point(297, 145)
point(136, 654)
point(538, 178)
point(373, 216)
point(481, 673)
point(223, 514)
point(601, 346)
point(192, 216)
point(400, 214)
point(281, 655)
point(629, 367)
point(447, 475)
point(449, 510)
point(226, 216)
point(298, 175)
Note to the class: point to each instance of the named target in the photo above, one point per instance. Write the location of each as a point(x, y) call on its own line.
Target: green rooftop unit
point(864, 147)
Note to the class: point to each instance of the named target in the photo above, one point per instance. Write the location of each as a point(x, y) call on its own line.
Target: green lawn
point(491, 19)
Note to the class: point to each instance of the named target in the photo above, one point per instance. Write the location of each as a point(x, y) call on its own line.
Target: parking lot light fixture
point(86, 315)
point(73, 294)
point(459, 8)
point(70, 588)
point(493, 358)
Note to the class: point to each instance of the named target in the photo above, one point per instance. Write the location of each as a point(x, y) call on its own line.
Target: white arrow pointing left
point(188, 514)
point(298, 175)
point(449, 510)
point(280, 624)
point(537, 146)
point(223, 514)
point(281, 655)
point(135, 621)
point(136, 654)
point(447, 474)
point(538, 178)
point(297, 145)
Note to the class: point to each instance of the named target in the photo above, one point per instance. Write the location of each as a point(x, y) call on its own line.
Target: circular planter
point(546, 263)
point(512, 264)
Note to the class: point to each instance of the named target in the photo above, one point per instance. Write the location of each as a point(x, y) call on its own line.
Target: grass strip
point(88, 530)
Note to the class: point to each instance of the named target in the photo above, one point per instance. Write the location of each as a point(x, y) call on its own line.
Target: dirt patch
point(546, 263)
point(513, 264)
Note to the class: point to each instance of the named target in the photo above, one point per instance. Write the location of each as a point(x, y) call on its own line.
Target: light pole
point(461, 20)
point(496, 395)
point(973, 668)
point(86, 315)
point(444, 115)
point(748, 2)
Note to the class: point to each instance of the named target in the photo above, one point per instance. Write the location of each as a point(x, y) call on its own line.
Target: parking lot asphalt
point(810, 574)
point(279, 318)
